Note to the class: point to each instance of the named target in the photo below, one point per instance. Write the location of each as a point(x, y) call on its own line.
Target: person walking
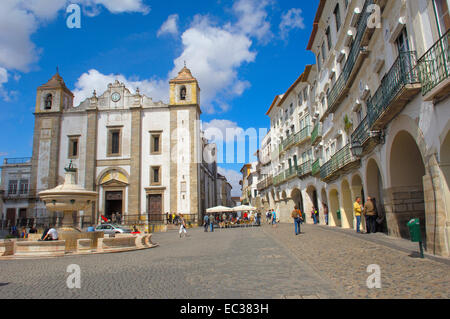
point(357, 210)
point(211, 223)
point(182, 226)
point(297, 216)
point(325, 213)
point(313, 215)
point(206, 222)
point(371, 216)
point(274, 219)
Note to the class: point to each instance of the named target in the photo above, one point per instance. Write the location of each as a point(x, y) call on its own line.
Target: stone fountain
point(68, 198)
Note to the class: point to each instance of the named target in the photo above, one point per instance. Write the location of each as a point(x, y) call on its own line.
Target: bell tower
point(184, 89)
point(52, 99)
point(185, 143)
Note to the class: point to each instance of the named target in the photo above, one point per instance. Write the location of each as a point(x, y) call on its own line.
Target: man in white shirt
point(52, 234)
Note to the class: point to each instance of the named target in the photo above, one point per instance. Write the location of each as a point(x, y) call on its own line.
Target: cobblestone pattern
point(343, 258)
point(234, 263)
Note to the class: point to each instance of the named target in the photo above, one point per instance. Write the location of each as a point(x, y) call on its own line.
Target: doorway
point(113, 203)
point(155, 213)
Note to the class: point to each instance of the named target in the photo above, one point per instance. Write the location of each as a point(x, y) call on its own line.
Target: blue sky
point(243, 53)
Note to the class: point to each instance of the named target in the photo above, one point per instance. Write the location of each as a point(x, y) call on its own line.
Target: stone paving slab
point(234, 263)
point(344, 260)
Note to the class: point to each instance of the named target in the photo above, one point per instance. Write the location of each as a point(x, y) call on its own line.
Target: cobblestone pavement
point(343, 256)
point(233, 263)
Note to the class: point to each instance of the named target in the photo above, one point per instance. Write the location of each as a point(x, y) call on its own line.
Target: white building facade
point(379, 113)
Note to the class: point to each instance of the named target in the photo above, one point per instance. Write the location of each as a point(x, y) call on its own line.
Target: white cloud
point(252, 18)
point(233, 178)
point(20, 19)
point(94, 80)
point(3, 80)
point(218, 129)
point(170, 26)
point(291, 20)
point(214, 54)
point(116, 6)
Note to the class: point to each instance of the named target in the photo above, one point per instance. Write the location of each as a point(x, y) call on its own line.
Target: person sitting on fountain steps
point(52, 234)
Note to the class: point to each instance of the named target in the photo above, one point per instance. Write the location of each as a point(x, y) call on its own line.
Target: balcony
point(297, 139)
point(356, 57)
point(397, 88)
point(365, 137)
point(434, 70)
point(17, 161)
point(266, 183)
point(341, 162)
point(279, 179)
point(315, 167)
point(316, 135)
point(304, 169)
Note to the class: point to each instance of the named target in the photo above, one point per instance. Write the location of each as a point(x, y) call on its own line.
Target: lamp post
point(357, 149)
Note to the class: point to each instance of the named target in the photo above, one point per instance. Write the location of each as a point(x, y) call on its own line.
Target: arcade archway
point(375, 190)
point(407, 170)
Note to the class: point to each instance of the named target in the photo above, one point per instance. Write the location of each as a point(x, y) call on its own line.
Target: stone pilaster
point(134, 193)
point(173, 160)
point(194, 166)
point(91, 157)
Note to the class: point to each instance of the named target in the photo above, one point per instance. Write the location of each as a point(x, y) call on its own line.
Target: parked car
point(112, 229)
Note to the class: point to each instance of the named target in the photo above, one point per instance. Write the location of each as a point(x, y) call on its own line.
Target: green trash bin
point(338, 213)
point(416, 234)
point(414, 230)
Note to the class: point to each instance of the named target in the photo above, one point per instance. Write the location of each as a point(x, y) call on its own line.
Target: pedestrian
point(297, 216)
point(313, 215)
point(170, 218)
point(270, 217)
point(33, 230)
point(173, 218)
point(113, 218)
point(316, 211)
point(211, 223)
point(206, 222)
point(325, 213)
point(274, 219)
point(23, 233)
point(267, 217)
point(52, 234)
point(258, 218)
point(357, 210)
point(45, 233)
point(371, 216)
point(182, 225)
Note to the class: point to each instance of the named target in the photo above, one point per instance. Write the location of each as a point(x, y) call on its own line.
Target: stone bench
point(7, 247)
point(52, 248)
point(84, 245)
point(116, 244)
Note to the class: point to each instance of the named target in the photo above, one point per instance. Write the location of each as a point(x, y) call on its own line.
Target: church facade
point(144, 158)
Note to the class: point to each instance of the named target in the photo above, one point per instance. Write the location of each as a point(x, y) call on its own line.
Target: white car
point(112, 229)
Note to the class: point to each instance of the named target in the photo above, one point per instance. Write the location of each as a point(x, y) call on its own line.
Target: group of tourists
point(374, 218)
point(226, 220)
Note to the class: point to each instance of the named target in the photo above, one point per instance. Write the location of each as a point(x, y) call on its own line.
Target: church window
point(155, 143)
point(114, 143)
point(155, 175)
point(73, 147)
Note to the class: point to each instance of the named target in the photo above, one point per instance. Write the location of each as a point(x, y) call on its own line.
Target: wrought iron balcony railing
point(315, 167)
point(304, 169)
point(403, 72)
point(295, 139)
point(339, 87)
point(434, 65)
point(339, 160)
point(15, 161)
point(316, 134)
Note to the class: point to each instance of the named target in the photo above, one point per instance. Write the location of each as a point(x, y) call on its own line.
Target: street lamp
point(356, 149)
